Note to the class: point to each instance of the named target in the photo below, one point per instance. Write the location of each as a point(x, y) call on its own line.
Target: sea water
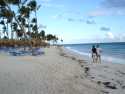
point(111, 52)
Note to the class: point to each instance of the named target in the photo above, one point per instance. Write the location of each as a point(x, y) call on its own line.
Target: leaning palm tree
point(9, 17)
point(42, 35)
point(7, 3)
point(34, 7)
point(14, 28)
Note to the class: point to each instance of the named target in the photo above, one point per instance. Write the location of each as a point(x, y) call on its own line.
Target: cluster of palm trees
point(20, 18)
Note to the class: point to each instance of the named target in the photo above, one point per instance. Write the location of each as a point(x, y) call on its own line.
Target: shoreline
point(105, 59)
point(105, 74)
point(59, 71)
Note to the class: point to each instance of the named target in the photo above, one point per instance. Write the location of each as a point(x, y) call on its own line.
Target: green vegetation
point(15, 17)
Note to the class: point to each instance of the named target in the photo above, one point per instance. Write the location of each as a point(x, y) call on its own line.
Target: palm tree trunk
point(11, 30)
point(0, 35)
point(20, 25)
point(36, 20)
point(7, 30)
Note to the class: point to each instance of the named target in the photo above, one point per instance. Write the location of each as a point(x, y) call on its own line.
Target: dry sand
point(59, 72)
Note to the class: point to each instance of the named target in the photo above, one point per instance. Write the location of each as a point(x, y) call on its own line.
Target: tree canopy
point(20, 22)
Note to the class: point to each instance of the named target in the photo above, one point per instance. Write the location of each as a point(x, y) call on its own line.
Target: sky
point(83, 21)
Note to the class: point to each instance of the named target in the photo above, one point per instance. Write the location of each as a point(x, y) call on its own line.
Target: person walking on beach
point(94, 54)
point(99, 50)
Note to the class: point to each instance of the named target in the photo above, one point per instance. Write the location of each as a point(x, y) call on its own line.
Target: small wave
point(113, 59)
point(76, 51)
point(105, 58)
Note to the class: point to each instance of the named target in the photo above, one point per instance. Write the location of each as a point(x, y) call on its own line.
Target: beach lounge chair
point(37, 51)
point(16, 53)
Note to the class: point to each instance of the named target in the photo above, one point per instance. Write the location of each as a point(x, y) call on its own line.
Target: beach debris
point(37, 51)
point(110, 85)
point(82, 77)
point(76, 76)
point(106, 67)
point(121, 72)
point(62, 54)
point(119, 82)
point(73, 58)
point(105, 92)
point(87, 69)
point(99, 82)
point(112, 79)
point(92, 77)
point(123, 87)
point(81, 61)
point(82, 65)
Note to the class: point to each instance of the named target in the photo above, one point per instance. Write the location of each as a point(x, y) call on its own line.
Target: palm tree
point(3, 24)
point(7, 3)
point(34, 7)
point(14, 28)
point(19, 33)
point(42, 34)
point(9, 16)
point(19, 20)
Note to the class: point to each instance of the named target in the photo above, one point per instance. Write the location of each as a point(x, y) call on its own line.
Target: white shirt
point(99, 50)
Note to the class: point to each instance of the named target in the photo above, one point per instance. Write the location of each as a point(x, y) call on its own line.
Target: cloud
point(58, 16)
point(50, 5)
point(105, 29)
point(75, 20)
point(110, 35)
point(122, 38)
point(98, 12)
point(68, 18)
point(116, 4)
point(71, 19)
point(90, 22)
point(106, 12)
point(109, 8)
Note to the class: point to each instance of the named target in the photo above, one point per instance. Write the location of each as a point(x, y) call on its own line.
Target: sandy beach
point(59, 71)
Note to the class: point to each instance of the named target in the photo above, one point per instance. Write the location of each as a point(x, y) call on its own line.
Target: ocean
point(111, 52)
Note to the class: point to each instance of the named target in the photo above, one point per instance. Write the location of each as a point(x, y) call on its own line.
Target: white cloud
point(106, 12)
point(90, 21)
point(122, 38)
point(98, 13)
point(113, 37)
point(109, 8)
point(52, 5)
point(110, 35)
point(105, 28)
point(114, 4)
point(58, 16)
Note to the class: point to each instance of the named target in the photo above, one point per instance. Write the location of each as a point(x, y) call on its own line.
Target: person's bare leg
point(99, 59)
point(95, 59)
point(92, 58)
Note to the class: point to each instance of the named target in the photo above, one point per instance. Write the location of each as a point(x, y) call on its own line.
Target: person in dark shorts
point(94, 54)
